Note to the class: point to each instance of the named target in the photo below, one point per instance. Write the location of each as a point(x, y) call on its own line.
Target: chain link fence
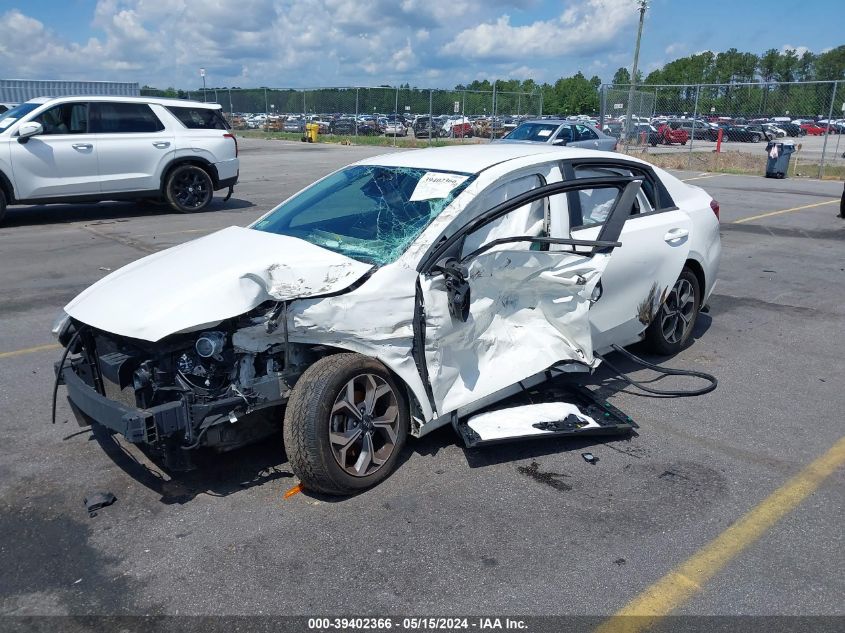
point(422, 113)
point(731, 125)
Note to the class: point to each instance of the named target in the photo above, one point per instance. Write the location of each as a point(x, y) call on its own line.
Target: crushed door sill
point(575, 411)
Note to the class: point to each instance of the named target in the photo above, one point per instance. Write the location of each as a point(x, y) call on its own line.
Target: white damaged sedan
point(391, 297)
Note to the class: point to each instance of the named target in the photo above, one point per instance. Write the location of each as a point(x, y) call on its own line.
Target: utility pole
point(643, 5)
point(202, 74)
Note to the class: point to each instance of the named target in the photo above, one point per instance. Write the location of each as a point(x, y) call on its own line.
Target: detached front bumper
point(175, 419)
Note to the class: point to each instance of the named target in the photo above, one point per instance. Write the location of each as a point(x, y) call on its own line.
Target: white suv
point(88, 149)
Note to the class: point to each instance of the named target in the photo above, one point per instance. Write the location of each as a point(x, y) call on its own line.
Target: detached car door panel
point(511, 308)
point(62, 161)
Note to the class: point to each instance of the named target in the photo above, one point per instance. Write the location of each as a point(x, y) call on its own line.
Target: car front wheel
point(345, 424)
point(672, 327)
point(189, 189)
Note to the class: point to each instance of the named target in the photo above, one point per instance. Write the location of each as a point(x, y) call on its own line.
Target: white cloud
point(583, 28)
point(318, 42)
point(675, 48)
point(798, 50)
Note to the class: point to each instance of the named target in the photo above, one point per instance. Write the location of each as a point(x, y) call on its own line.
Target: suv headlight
point(61, 325)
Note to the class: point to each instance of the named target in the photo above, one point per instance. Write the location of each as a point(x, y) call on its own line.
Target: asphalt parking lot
point(517, 529)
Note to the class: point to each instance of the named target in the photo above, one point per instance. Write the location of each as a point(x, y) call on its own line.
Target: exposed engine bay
point(197, 387)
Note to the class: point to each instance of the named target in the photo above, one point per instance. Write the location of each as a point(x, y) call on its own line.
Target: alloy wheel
point(676, 315)
point(364, 425)
point(191, 189)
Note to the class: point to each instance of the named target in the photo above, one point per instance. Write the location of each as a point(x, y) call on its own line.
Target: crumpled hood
point(210, 279)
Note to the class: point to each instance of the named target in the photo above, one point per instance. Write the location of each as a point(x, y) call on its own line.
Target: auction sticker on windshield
point(434, 185)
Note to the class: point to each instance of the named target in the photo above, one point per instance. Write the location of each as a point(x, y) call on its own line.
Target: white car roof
point(156, 100)
point(476, 158)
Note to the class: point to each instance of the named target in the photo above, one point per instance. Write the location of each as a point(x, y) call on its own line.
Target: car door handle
point(161, 144)
point(82, 146)
point(675, 235)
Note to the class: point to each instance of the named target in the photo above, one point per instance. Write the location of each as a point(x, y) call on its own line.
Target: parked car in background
point(791, 129)
point(561, 133)
point(457, 127)
point(762, 130)
point(68, 149)
point(394, 126)
point(423, 127)
point(6, 106)
point(774, 131)
point(397, 295)
point(741, 133)
point(669, 133)
point(294, 124)
point(813, 129)
point(696, 129)
point(343, 125)
point(636, 135)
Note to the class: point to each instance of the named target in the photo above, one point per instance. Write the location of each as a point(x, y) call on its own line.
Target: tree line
point(579, 95)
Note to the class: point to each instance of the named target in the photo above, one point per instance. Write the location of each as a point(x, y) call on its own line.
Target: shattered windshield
point(367, 212)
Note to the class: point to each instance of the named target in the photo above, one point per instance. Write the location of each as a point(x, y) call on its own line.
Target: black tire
point(188, 189)
point(316, 411)
point(2, 205)
point(662, 335)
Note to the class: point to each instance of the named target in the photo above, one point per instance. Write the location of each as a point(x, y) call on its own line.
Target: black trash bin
point(778, 167)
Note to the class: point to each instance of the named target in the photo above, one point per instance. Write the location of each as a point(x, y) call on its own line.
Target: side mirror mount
point(457, 287)
point(28, 130)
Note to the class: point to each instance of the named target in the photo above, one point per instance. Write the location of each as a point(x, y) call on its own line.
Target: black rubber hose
point(61, 366)
point(662, 370)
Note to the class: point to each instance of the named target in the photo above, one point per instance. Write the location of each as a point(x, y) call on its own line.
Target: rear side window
point(199, 118)
point(584, 133)
point(123, 118)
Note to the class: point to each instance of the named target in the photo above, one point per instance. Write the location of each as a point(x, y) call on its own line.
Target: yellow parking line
point(782, 211)
point(30, 350)
point(680, 584)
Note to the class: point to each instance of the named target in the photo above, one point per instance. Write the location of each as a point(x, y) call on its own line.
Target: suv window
point(199, 118)
point(66, 118)
point(123, 118)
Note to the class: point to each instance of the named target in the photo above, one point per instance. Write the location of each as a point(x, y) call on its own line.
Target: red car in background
point(813, 129)
point(666, 134)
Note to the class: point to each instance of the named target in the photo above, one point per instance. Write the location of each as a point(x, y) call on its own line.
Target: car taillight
point(715, 206)
point(234, 138)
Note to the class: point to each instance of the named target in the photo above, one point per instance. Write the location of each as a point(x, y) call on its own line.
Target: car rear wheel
point(189, 189)
point(345, 424)
point(672, 327)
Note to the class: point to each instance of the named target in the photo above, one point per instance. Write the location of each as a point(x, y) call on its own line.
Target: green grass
point(739, 163)
point(377, 141)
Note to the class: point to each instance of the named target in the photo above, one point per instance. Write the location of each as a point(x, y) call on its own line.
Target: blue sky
point(436, 43)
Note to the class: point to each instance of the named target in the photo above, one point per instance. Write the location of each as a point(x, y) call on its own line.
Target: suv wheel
point(188, 189)
point(345, 424)
point(672, 327)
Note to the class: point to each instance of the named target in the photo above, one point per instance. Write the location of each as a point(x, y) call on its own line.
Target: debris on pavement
point(589, 458)
point(97, 501)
